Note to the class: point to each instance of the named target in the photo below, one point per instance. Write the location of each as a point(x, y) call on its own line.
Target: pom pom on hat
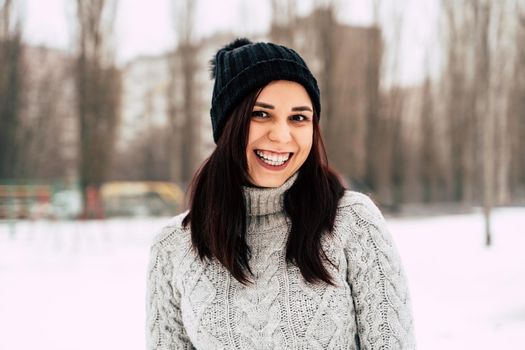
point(239, 42)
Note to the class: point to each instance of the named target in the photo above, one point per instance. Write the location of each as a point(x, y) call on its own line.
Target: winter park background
point(104, 118)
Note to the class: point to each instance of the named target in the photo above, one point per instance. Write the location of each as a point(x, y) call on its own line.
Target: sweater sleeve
point(165, 329)
point(378, 283)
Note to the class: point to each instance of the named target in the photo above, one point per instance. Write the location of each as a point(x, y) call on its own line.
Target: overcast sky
point(143, 26)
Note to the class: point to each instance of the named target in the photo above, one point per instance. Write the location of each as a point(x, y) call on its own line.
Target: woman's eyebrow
point(301, 108)
point(264, 105)
point(295, 109)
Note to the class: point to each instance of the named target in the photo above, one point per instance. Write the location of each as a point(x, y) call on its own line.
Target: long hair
point(217, 215)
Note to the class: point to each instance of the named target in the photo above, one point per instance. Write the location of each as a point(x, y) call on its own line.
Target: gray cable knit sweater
point(198, 305)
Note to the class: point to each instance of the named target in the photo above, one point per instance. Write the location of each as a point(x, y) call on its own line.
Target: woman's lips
point(273, 167)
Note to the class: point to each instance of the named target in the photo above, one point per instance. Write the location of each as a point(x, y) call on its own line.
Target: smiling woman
point(274, 253)
point(280, 135)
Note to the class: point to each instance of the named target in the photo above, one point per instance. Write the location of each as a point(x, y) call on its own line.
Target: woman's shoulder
point(359, 219)
point(356, 214)
point(359, 203)
point(172, 234)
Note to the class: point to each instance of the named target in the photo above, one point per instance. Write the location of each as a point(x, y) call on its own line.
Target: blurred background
point(104, 118)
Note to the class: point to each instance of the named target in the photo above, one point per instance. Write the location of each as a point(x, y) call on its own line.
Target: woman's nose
point(280, 132)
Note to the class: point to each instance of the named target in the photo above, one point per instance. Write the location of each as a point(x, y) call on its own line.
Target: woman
point(274, 253)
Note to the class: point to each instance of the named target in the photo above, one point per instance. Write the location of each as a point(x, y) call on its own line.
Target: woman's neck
point(262, 203)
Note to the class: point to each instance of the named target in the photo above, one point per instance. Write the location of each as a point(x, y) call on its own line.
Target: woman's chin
point(268, 180)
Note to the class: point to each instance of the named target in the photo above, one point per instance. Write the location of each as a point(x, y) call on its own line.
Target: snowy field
point(76, 286)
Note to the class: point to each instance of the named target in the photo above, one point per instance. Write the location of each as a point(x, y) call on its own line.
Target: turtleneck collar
point(264, 201)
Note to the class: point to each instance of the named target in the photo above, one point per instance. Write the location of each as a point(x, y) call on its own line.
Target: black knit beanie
point(242, 67)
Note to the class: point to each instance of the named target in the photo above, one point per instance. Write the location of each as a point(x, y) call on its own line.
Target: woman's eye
point(259, 114)
point(299, 118)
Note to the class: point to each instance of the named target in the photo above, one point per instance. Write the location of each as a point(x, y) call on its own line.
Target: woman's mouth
point(272, 159)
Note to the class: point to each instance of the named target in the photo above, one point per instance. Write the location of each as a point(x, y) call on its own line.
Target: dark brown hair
point(217, 215)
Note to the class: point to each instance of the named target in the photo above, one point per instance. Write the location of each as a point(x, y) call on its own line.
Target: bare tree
point(384, 139)
point(325, 42)
point(501, 76)
point(483, 107)
point(151, 146)
point(324, 23)
point(182, 110)
point(98, 91)
point(462, 94)
point(45, 122)
point(429, 160)
point(31, 89)
point(284, 16)
point(11, 88)
point(516, 109)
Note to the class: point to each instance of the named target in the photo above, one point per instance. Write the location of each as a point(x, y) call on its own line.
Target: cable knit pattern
point(194, 304)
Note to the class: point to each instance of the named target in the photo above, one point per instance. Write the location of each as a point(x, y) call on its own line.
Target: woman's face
point(281, 133)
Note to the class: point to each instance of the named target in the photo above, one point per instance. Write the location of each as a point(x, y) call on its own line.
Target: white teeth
point(272, 159)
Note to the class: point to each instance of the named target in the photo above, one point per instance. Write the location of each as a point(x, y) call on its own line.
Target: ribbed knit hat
point(242, 67)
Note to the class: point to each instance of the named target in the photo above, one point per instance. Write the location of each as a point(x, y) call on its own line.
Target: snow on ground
point(81, 285)
point(465, 295)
